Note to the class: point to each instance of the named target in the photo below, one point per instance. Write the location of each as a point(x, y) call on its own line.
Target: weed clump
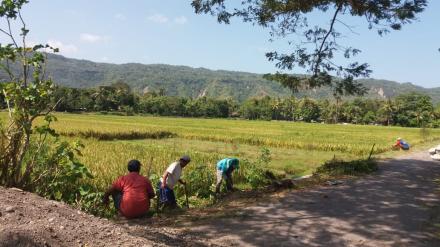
point(336, 167)
point(129, 135)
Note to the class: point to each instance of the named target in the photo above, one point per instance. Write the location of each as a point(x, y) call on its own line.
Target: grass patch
point(337, 167)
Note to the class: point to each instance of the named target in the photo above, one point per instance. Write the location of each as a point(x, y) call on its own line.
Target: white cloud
point(162, 19)
point(64, 48)
point(92, 38)
point(158, 18)
point(120, 17)
point(181, 20)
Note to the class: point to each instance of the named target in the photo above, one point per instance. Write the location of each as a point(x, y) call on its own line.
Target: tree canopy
point(409, 109)
point(319, 44)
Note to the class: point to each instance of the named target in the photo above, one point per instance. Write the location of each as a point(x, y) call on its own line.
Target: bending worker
point(225, 167)
point(169, 179)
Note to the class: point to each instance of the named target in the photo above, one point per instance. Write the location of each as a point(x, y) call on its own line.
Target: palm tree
point(388, 110)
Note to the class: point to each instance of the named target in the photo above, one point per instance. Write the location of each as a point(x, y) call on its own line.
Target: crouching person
point(401, 144)
point(169, 179)
point(131, 193)
point(225, 167)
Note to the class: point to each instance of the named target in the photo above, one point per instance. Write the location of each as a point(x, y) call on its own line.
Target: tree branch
point(319, 53)
point(25, 64)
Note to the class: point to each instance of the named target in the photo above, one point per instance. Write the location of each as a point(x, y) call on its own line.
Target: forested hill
point(196, 82)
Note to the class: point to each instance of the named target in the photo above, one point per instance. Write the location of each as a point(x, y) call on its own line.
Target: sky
point(168, 31)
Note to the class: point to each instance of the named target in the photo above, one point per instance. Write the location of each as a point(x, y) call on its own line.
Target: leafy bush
point(90, 200)
point(200, 181)
point(58, 174)
point(255, 172)
point(435, 124)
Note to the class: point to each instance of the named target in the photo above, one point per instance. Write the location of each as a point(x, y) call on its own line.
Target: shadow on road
point(389, 208)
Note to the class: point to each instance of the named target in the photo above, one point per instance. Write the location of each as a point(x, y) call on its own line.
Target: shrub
point(90, 200)
point(255, 172)
point(200, 181)
point(58, 174)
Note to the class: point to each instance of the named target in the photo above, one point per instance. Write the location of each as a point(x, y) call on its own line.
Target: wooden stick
point(371, 152)
point(186, 196)
point(149, 168)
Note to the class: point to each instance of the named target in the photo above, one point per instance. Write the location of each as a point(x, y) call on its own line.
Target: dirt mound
point(29, 220)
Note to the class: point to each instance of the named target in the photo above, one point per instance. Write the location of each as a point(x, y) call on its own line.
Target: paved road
point(390, 208)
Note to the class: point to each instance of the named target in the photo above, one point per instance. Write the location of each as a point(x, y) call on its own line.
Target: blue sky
point(167, 31)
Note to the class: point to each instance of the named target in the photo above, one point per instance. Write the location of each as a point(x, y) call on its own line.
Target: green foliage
point(337, 167)
point(26, 93)
point(413, 110)
point(201, 180)
point(58, 173)
point(255, 172)
point(409, 109)
point(175, 106)
point(308, 111)
point(32, 156)
point(257, 109)
point(90, 200)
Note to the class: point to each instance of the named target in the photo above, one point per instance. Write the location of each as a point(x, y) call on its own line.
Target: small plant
point(90, 200)
point(200, 180)
point(265, 156)
point(255, 172)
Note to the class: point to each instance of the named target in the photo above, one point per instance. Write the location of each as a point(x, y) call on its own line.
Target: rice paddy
point(296, 148)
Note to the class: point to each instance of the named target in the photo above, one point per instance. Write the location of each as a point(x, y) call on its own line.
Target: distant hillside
point(196, 82)
point(381, 89)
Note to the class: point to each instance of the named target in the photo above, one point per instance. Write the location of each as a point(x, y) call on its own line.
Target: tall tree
point(413, 109)
point(319, 44)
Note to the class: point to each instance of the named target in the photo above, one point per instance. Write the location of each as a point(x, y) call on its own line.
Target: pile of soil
point(29, 220)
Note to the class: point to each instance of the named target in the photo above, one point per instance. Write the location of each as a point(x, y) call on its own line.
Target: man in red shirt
point(131, 193)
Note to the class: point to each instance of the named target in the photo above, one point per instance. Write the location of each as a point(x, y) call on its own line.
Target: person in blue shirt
point(225, 167)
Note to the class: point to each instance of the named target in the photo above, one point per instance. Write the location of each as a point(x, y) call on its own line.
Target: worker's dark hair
point(134, 166)
point(235, 163)
point(185, 158)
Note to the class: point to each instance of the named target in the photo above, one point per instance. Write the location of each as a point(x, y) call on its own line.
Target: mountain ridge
point(182, 80)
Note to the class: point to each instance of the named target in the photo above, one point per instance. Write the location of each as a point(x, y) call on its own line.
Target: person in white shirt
point(169, 179)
